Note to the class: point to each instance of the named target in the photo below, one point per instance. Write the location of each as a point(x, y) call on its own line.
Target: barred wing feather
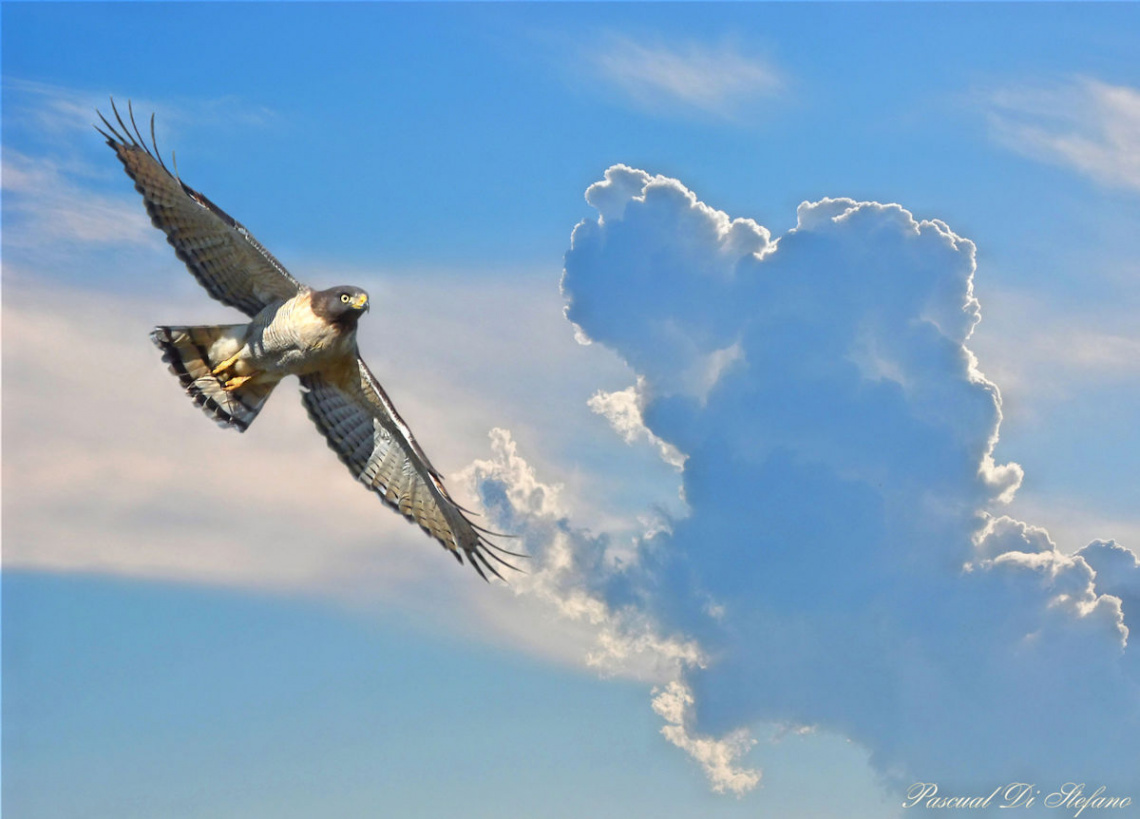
point(223, 256)
point(364, 429)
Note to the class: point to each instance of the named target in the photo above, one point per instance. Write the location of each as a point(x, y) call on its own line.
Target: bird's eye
point(344, 297)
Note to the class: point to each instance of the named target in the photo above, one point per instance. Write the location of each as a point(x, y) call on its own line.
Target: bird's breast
point(295, 340)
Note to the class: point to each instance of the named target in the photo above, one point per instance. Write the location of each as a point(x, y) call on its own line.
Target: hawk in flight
point(230, 370)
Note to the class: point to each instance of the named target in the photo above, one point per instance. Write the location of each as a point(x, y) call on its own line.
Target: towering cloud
point(845, 563)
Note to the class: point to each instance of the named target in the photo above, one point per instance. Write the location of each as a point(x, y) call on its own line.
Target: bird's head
point(343, 304)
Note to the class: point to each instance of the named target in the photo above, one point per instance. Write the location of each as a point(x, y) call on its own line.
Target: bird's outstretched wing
point(220, 252)
point(364, 429)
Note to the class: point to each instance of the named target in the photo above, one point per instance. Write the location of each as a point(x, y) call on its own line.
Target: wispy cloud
point(45, 203)
point(51, 109)
point(108, 468)
point(1057, 350)
point(1086, 124)
point(1066, 356)
point(55, 115)
point(50, 184)
point(685, 78)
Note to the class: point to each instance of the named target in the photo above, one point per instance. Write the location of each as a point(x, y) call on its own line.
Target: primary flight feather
point(230, 370)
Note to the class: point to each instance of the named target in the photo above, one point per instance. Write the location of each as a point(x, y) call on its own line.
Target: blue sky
point(769, 520)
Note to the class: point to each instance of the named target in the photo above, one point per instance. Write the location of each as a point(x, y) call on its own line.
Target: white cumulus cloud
point(845, 496)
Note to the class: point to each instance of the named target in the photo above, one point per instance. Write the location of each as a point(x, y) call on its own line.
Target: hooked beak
point(360, 302)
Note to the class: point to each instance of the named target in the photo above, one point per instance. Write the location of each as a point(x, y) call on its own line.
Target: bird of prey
point(230, 370)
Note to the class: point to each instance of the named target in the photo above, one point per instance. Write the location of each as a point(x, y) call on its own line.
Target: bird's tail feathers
point(193, 353)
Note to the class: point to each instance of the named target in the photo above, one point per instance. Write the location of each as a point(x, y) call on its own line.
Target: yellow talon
point(225, 365)
point(236, 382)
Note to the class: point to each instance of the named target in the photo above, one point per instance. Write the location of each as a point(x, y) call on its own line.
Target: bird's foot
point(226, 365)
point(236, 382)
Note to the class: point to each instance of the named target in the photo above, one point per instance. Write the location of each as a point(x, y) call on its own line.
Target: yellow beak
point(360, 302)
